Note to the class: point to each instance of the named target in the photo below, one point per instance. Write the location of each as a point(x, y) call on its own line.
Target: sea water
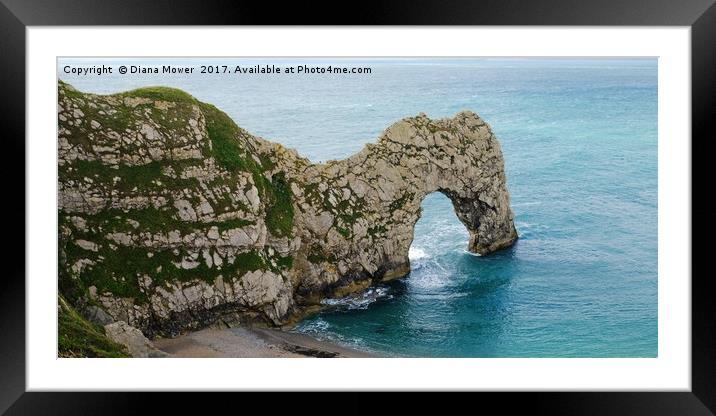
point(579, 138)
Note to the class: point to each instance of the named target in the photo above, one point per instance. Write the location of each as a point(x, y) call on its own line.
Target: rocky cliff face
point(172, 218)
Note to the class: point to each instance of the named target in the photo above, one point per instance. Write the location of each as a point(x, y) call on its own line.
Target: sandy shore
point(252, 343)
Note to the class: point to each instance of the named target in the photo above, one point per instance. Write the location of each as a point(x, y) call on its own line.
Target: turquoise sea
point(579, 137)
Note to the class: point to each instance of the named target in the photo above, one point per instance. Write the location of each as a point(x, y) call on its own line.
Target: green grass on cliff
point(346, 212)
point(276, 193)
point(400, 202)
point(118, 269)
point(121, 268)
point(284, 262)
point(318, 254)
point(150, 219)
point(78, 337)
point(161, 94)
point(279, 210)
point(152, 93)
point(223, 135)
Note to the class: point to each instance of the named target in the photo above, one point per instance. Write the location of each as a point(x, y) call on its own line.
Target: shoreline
point(246, 342)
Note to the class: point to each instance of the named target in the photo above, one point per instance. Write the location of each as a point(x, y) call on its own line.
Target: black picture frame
point(16, 15)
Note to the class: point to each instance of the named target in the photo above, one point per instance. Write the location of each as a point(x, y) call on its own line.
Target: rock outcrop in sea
point(172, 218)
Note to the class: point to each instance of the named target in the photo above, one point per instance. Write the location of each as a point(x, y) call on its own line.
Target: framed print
point(478, 201)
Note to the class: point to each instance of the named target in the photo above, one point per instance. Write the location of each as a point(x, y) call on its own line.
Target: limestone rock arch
point(360, 212)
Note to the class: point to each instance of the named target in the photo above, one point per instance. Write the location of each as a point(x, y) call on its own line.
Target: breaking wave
point(360, 300)
point(417, 253)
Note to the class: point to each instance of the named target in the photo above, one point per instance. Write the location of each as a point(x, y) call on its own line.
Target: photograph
point(357, 207)
point(234, 198)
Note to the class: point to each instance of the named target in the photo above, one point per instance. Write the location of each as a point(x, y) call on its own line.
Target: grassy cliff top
point(81, 338)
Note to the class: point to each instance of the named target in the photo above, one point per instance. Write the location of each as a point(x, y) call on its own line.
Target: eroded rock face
point(172, 217)
point(360, 212)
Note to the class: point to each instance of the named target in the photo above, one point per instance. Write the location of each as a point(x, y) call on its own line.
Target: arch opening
point(437, 231)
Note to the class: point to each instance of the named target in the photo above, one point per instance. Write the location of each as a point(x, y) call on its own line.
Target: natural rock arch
point(384, 186)
point(171, 217)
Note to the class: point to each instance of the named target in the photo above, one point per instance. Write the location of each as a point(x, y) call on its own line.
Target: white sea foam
point(360, 300)
point(522, 224)
point(431, 275)
point(417, 253)
point(525, 204)
point(526, 229)
point(317, 326)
